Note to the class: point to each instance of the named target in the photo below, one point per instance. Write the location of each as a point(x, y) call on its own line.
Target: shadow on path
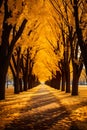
point(45, 113)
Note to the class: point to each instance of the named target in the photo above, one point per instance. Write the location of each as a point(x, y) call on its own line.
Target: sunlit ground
point(44, 108)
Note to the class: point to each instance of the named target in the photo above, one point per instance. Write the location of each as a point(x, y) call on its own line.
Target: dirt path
point(44, 112)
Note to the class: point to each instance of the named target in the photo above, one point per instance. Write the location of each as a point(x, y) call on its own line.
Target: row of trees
point(6, 46)
point(21, 66)
point(13, 21)
point(70, 19)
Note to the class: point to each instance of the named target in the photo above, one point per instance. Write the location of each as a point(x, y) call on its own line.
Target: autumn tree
point(60, 17)
point(64, 10)
point(16, 70)
point(56, 78)
point(76, 56)
point(25, 67)
point(10, 10)
point(80, 13)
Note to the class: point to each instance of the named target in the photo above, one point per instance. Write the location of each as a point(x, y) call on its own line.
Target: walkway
point(44, 112)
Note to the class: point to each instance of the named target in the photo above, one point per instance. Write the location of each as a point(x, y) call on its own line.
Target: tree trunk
point(75, 82)
point(3, 72)
point(63, 81)
point(2, 85)
point(20, 82)
point(58, 78)
point(16, 85)
point(67, 78)
point(75, 86)
point(76, 74)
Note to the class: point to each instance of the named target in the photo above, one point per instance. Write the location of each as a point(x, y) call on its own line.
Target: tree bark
point(20, 83)
point(63, 81)
point(76, 74)
point(58, 79)
point(2, 84)
point(67, 73)
point(81, 42)
point(16, 85)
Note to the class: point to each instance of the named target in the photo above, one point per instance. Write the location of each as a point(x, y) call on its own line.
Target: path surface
point(44, 112)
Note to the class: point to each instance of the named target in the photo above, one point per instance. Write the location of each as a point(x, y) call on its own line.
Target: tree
point(77, 62)
point(61, 19)
point(25, 67)
point(56, 78)
point(7, 46)
point(15, 68)
point(81, 41)
point(68, 29)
